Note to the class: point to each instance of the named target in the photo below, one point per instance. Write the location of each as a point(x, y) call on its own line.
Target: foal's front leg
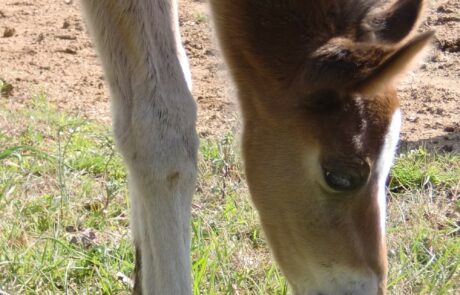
point(154, 118)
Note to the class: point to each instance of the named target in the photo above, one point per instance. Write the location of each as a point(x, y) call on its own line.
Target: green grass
point(200, 18)
point(64, 224)
point(424, 223)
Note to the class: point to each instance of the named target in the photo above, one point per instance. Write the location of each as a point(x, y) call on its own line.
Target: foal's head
point(316, 87)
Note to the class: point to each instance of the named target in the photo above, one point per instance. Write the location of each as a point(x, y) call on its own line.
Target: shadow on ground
point(447, 143)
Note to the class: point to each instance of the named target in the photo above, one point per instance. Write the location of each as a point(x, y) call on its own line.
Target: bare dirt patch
point(44, 47)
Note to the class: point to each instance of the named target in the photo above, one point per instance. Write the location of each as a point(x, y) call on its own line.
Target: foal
point(321, 123)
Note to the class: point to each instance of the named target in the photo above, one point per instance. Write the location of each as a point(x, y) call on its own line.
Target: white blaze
point(385, 161)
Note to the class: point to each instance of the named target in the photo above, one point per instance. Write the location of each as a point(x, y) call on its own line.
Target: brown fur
point(315, 85)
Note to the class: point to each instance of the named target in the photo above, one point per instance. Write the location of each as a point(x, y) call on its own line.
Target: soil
point(44, 47)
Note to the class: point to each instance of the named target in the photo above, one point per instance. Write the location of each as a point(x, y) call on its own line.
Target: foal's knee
point(159, 147)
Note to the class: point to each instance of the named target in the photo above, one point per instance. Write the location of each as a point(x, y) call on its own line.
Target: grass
point(200, 18)
point(65, 228)
point(424, 223)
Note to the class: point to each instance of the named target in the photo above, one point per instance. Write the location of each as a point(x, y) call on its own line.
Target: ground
point(44, 47)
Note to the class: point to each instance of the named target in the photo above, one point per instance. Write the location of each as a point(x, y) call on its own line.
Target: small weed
point(5, 88)
point(201, 18)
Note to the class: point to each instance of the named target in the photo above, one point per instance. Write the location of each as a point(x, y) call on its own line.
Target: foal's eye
point(345, 176)
point(341, 181)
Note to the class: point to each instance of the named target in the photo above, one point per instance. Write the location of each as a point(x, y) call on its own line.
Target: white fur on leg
point(154, 118)
point(162, 174)
point(163, 234)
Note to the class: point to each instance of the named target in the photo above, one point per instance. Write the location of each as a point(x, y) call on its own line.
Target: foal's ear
point(395, 65)
point(342, 62)
point(394, 24)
